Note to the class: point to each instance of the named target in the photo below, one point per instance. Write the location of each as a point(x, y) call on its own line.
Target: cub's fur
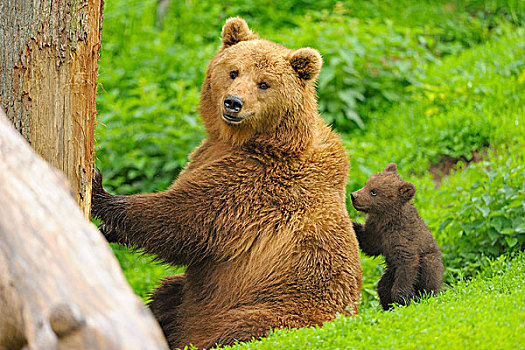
point(395, 230)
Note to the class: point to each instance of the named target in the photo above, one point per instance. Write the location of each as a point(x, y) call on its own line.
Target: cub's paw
point(358, 228)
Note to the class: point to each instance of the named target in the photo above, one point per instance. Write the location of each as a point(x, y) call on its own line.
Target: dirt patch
point(446, 164)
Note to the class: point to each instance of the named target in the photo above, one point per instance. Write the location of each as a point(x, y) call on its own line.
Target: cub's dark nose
point(353, 197)
point(233, 104)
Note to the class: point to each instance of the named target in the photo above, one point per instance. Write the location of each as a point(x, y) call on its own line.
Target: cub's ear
point(236, 30)
point(306, 62)
point(407, 191)
point(392, 167)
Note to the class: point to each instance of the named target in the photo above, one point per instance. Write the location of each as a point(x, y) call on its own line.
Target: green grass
point(403, 81)
point(485, 313)
point(460, 104)
point(142, 272)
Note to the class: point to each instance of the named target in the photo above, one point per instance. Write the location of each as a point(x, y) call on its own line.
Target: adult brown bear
point(258, 215)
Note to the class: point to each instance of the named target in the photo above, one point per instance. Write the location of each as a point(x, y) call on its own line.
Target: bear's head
point(384, 192)
point(259, 91)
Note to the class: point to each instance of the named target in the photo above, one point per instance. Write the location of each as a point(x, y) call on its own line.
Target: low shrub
point(367, 64)
point(145, 138)
point(150, 75)
point(463, 104)
point(466, 103)
point(483, 216)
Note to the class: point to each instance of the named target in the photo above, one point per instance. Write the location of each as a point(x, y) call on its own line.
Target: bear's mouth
point(234, 119)
point(231, 118)
point(356, 206)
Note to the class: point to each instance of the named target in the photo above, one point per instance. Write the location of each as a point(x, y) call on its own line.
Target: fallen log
point(60, 285)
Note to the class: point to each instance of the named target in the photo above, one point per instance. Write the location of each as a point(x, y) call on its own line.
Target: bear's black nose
point(352, 196)
point(233, 104)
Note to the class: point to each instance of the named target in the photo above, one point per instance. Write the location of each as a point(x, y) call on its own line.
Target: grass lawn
point(485, 313)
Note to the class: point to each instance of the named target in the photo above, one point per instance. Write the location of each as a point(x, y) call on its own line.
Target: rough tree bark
point(49, 53)
point(60, 285)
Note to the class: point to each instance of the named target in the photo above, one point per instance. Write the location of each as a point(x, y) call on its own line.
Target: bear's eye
point(263, 85)
point(373, 192)
point(234, 74)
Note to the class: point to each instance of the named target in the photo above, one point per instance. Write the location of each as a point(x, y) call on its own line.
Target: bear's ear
point(392, 167)
point(407, 191)
point(306, 62)
point(236, 30)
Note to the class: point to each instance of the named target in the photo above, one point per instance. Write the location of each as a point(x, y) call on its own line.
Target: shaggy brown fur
point(395, 230)
point(258, 215)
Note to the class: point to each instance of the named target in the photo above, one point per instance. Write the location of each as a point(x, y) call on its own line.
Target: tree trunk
point(60, 285)
point(163, 7)
point(49, 53)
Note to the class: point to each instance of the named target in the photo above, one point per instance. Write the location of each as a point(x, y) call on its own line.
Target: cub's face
point(383, 192)
point(252, 84)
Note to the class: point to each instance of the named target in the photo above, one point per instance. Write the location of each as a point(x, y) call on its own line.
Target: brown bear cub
point(395, 230)
point(258, 215)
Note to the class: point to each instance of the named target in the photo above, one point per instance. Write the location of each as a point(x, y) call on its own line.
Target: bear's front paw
point(358, 228)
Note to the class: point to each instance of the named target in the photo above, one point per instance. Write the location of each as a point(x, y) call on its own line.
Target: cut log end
point(65, 319)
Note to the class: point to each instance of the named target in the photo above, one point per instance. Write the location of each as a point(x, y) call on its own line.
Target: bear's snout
point(353, 196)
point(233, 104)
point(355, 203)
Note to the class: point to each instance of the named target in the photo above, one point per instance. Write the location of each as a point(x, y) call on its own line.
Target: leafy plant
point(145, 139)
point(367, 64)
point(485, 217)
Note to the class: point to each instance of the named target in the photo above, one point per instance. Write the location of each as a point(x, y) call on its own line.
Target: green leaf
point(484, 210)
point(509, 191)
point(511, 241)
point(444, 224)
point(515, 204)
point(520, 228)
point(487, 198)
point(497, 223)
point(493, 234)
